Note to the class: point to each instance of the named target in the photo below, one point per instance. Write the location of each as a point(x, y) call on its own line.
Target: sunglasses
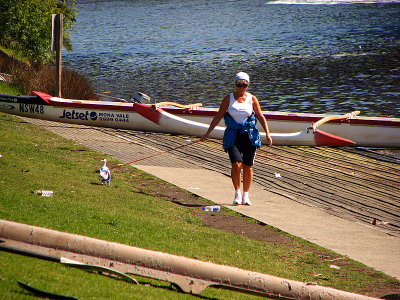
point(242, 85)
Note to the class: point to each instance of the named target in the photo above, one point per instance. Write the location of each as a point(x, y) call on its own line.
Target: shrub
point(42, 78)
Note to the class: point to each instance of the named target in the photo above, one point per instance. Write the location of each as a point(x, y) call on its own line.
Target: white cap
point(242, 76)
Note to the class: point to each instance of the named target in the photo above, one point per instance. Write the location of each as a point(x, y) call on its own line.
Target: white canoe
point(306, 137)
point(364, 131)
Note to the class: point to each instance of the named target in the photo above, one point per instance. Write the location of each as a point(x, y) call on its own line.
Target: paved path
point(362, 242)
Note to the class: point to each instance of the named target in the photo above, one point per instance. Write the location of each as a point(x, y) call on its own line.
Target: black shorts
point(242, 151)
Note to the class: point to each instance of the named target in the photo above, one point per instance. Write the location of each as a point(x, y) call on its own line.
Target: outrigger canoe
point(363, 131)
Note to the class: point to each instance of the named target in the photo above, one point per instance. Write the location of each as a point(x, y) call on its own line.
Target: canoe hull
point(73, 113)
point(364, 131)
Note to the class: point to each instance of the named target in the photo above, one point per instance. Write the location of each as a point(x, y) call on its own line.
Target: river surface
point(331, 56)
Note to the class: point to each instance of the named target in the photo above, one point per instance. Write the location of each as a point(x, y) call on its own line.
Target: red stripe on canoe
point(43, 96)
point(323, 138)
point(149, 112)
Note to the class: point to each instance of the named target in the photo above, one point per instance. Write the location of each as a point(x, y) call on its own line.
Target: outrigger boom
point(306, 137)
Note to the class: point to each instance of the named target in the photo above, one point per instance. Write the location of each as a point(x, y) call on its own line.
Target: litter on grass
point(43, 193)
point(334, 267)
point(211, 208)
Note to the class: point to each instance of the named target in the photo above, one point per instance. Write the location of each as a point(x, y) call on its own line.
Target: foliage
point(25, 27)
point(74, 85)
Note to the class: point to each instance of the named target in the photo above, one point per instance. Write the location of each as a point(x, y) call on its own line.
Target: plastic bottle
point(43, 193)
point(211, 208)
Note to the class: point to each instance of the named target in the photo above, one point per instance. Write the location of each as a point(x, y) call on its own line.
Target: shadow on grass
point(187, 204)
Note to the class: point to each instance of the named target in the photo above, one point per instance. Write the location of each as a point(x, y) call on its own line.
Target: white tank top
point(240, 111)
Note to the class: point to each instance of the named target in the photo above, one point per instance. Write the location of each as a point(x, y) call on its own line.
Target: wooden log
point(191, 275)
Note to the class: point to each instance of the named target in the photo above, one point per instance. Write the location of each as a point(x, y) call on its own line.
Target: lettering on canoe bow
point(31, 108)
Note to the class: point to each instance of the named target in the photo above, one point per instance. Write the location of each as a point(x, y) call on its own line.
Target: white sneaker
point(238, 198)
point(246, 199)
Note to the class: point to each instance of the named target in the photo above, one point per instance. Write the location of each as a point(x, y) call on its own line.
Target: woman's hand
point(218, 116)
point(261, 119)
point(269, 140)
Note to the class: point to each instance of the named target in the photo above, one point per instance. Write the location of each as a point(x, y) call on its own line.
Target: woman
point(241, 138)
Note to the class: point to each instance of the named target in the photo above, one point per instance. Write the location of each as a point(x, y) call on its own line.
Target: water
point(306, 57)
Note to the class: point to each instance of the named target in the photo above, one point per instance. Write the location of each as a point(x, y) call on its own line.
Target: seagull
point(105, 174)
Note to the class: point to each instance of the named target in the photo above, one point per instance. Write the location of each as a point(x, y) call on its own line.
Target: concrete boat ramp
point(344, 199)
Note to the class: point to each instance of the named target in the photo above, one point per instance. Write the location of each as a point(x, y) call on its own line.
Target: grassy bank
point(134, 211)
point(7, 88)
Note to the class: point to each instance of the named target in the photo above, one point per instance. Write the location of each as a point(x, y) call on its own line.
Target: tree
point(25, 27)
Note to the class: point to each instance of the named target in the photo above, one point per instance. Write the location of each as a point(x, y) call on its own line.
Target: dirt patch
point(242, 226)
point(234, 223)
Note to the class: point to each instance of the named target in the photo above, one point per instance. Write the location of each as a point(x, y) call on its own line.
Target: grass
point(128, 212)
point(6, 88)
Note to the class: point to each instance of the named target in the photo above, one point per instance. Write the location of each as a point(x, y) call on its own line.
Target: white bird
point(105, 174)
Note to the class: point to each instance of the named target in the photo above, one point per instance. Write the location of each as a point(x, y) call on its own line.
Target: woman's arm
point(223, 108)
point(261, 119)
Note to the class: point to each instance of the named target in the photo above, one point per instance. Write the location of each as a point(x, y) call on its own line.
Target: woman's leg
point(236, 174)
point(247, 180)
point(236, 160)
point(247, 177)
